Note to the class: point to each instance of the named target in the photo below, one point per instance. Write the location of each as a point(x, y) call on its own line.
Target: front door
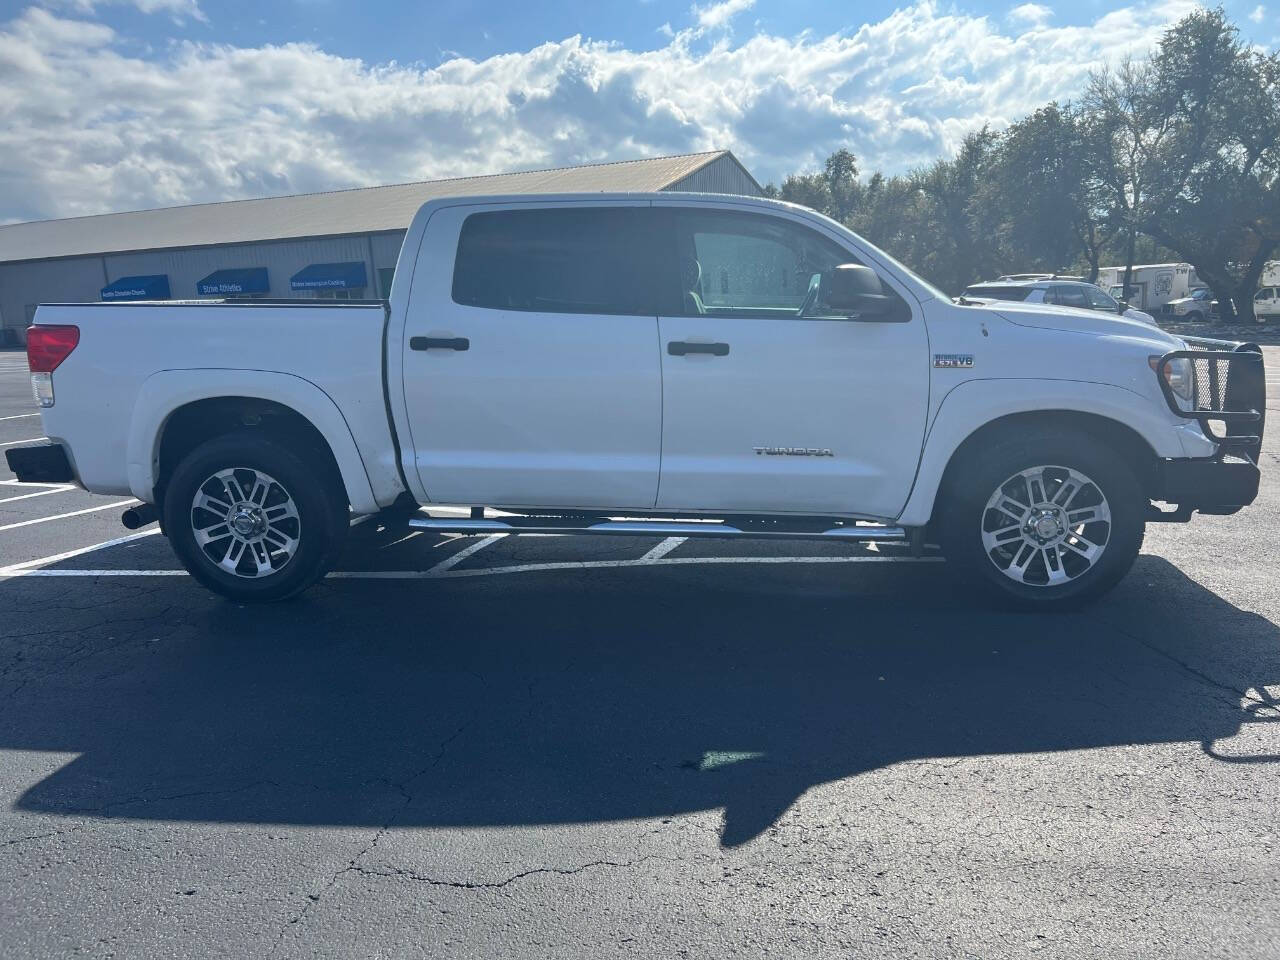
point(1266, 303)
point(767, 408)
point(531, 372)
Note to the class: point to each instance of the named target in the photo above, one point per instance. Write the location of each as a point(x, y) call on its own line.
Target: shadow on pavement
point(608, 695)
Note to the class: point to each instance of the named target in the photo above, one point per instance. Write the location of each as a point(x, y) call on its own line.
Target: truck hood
point(1051, 317)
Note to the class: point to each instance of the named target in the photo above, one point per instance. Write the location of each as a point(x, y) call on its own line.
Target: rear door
point(768, 409)
point(531, 371)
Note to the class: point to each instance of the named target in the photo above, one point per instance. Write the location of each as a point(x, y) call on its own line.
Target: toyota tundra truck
point(651, 365)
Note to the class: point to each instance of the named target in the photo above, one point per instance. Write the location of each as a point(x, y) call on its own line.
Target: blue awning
point(138, 288)
point(248, 280)
point(330, 276)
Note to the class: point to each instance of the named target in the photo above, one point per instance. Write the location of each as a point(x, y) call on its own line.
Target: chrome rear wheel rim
point(245, 522)
point(1046, 526)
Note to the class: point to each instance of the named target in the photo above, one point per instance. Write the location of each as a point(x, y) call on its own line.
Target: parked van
point(1151, 285)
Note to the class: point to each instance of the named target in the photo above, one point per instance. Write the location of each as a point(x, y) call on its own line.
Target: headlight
point(1180, 375)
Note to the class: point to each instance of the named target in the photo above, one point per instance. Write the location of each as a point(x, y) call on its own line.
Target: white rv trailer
point(1151, 285)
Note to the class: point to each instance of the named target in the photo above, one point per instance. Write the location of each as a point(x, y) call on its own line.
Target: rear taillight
point(48, 346)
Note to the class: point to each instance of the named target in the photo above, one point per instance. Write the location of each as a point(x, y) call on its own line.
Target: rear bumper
point(1221, 482)
point(45, 463)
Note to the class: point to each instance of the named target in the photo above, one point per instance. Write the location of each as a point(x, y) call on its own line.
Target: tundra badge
point(793, 451)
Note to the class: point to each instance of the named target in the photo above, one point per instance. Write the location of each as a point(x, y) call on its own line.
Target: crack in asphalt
point(401, 873)
point(1200, 675)
point(353, 865)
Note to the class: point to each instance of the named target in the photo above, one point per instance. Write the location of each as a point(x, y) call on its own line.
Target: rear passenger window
point(1071, 297)
point(557, 261)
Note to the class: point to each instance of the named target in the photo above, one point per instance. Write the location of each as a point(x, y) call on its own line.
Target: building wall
point(81, 279)
point(23, 285)
point(185, 268)
point(722, 175)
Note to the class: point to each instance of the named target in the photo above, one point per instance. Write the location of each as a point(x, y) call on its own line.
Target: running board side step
point(657, 528)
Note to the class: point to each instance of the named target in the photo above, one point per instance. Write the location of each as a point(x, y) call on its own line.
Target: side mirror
point(854, 290)
point(1122, 306)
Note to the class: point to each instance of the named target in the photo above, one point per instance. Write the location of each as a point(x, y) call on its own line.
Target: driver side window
point(747, 265)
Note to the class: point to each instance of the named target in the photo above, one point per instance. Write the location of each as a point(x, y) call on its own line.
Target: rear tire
point(1043, 522)
point(253, 520)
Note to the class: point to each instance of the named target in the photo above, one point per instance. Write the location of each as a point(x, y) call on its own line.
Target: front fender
point(975, 403)
point(164, 392)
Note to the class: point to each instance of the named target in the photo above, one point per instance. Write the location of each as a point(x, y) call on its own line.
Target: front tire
point(1043, 522)
point(253, 520)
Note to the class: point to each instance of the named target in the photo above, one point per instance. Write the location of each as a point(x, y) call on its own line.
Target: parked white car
point(1266, 304)
point(650, 365)
point(1062, 293)
point(1198, 307)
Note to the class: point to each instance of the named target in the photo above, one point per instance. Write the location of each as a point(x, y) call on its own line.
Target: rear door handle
point(678, 348)
point(439, 343)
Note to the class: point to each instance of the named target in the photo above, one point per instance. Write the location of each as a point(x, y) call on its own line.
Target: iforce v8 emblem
point(953, 360)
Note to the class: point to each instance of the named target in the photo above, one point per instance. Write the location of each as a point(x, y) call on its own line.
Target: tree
point(1220, 171)
point(1128, 126)
point(1039, 190)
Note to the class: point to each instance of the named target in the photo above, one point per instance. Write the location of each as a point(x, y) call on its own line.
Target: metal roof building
point(343, 243)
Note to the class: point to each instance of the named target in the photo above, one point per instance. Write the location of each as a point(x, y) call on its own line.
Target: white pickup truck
point(654, 365)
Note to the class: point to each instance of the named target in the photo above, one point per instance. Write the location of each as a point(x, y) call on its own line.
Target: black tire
point(963, 511)
point(1195, 316)
point(307, 480)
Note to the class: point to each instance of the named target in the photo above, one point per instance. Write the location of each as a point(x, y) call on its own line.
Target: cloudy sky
point(123, 104)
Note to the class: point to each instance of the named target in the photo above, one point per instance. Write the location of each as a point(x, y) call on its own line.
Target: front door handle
point(678, 348)
point(439, 343)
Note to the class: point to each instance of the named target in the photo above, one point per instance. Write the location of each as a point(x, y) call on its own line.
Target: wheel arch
point(178, 410)
point(969, 419)
point(1126, 442)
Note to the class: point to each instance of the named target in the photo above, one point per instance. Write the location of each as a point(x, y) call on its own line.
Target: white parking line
point(20, 416)
point(28, 567)
point(73, 513)
point(465, 552)
point(60, 488)
point(22, 570)
point(665, 547)
point(11, 443)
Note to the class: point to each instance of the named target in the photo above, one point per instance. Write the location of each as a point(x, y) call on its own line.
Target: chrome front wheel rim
point(245, 522)
point(1046, 526)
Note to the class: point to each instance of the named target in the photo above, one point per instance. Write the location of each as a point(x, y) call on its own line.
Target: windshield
point(997, 292)
point(1099, 299)
point(1201, 294)
point(907, 270)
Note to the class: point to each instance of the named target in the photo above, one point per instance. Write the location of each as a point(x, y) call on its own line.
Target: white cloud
point(1259, 14)
point(1032, 14)
point(85, 127)
point(717, 15)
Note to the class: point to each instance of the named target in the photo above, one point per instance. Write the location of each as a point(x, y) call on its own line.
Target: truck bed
point(102, 388)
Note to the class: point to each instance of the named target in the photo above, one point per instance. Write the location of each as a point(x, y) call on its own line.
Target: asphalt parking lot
point(558, 747)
